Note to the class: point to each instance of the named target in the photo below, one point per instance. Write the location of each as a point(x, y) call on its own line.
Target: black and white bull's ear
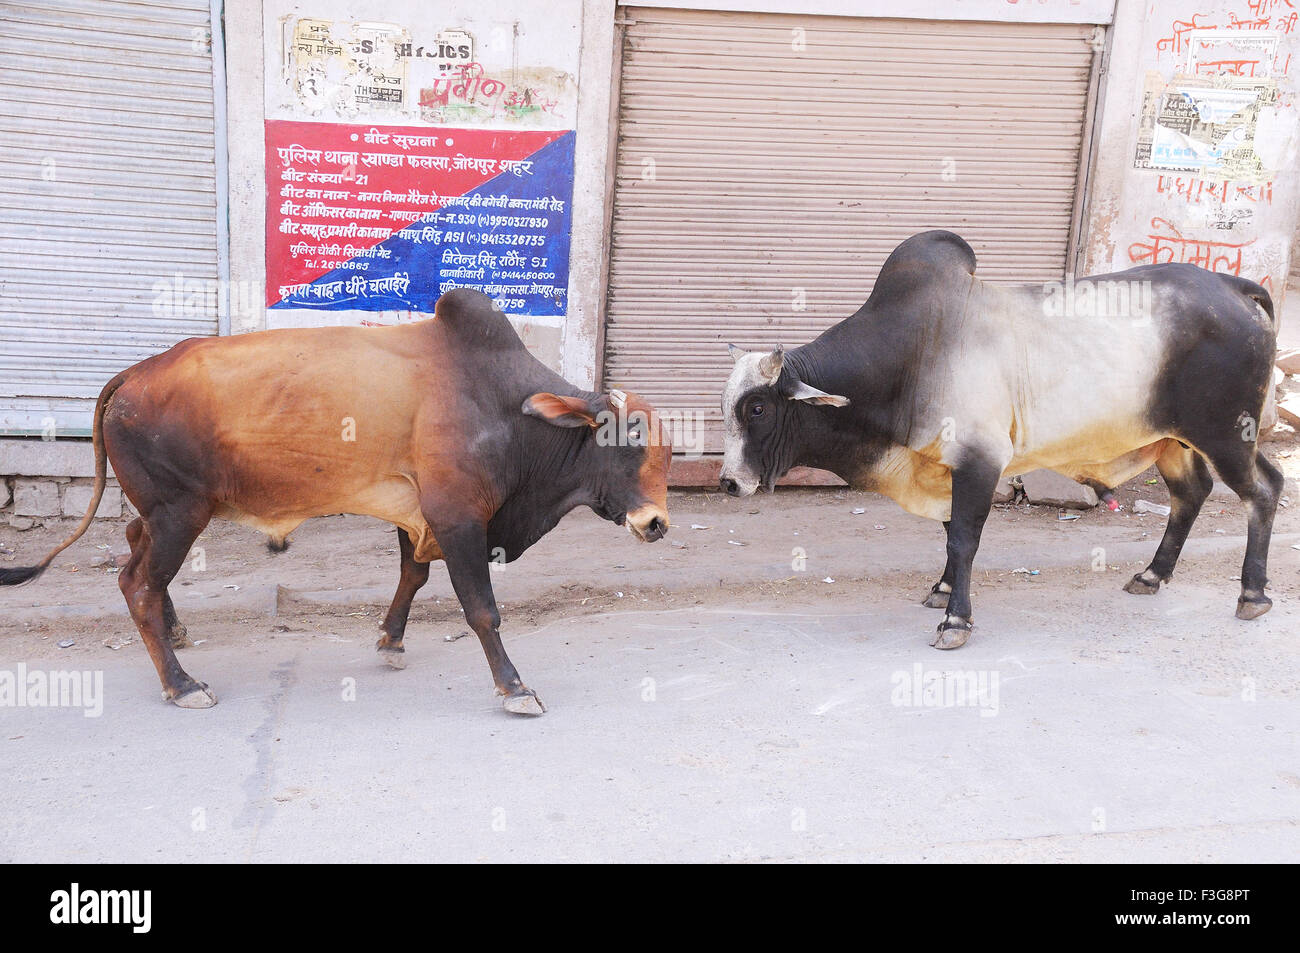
point(564, 411)
point(801, 391)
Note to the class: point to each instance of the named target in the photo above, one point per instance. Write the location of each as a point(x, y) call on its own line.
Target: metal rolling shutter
point(747, 170)
point(107, 187)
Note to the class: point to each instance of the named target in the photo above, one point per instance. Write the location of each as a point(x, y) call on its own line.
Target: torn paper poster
point(1231, 53)
point(1205, 125)
point(351, 68)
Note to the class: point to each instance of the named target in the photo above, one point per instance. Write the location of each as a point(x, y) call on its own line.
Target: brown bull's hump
point(277, 427)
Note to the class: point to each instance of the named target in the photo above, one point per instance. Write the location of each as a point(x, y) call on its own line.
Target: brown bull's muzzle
point(648, 523)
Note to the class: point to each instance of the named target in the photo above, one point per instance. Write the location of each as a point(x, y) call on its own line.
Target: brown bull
point(447, 428)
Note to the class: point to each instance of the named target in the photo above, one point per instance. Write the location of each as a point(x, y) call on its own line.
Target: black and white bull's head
point(758, 412)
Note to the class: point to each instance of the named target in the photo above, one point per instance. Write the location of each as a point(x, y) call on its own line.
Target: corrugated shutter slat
point(107, 195)
point(751, 173)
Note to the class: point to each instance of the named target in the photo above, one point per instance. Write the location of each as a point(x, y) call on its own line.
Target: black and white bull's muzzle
point(756, 448)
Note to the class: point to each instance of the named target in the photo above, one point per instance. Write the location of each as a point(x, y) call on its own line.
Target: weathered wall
point(408, 124)
point(53, 480)
point(590, 248)
point(247, 169)
point(582, 35)
point(1020, 11)
point(1244, 223)
point(1238, 212)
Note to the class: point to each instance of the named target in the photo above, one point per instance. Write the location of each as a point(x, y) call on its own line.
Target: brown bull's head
point(632, 453)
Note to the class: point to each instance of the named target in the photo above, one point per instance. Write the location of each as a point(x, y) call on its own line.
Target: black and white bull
point(941, 384)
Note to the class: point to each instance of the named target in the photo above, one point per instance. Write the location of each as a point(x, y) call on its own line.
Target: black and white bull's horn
point(736, 352)
point(769, 366)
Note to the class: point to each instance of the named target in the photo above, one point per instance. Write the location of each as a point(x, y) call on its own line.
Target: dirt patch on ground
point(720, 550)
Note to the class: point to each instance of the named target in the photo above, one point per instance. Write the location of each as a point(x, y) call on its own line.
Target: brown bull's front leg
point(465, 550)
point(414, 575)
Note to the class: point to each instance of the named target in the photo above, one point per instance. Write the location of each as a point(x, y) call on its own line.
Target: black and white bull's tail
point(21, 574)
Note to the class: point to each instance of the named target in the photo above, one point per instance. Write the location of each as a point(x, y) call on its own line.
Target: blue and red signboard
point(388, 218)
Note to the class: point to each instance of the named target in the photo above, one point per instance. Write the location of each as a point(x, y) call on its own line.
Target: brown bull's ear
point(562, 411)
point(801, 391)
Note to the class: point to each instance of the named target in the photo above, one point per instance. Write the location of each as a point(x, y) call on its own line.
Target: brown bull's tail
point(21, 574)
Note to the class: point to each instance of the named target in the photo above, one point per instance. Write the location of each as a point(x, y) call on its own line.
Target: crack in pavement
point(259, 805)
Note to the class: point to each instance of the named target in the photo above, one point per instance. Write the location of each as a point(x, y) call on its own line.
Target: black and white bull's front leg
point(941, 590)
point(974, 481)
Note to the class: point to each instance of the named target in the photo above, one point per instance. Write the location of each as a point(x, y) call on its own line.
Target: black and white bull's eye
point(757, 409)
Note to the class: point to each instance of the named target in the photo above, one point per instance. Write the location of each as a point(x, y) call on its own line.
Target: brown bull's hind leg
point(1189, 482)
point(162, 541)
point(177, 634)
point(414, 575)
point(176, 631)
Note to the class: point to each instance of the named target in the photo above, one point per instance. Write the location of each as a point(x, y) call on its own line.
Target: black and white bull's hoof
point(1252, 605)
point(392, 654)
point(938, 597)
point(522, 701)
point(952, 633)
point(1145, 583)
point(197, 695)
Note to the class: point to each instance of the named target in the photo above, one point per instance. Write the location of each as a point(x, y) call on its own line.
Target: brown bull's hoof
point(524, 702)
point(393, 653)
point(198, 697)
point(1140, 586)
point(952, 633)
point(393, 658)
point(1253, 608)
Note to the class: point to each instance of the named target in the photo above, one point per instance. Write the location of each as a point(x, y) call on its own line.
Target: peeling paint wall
point(346, 117)
point(1136, 211)
point(1195, 158)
